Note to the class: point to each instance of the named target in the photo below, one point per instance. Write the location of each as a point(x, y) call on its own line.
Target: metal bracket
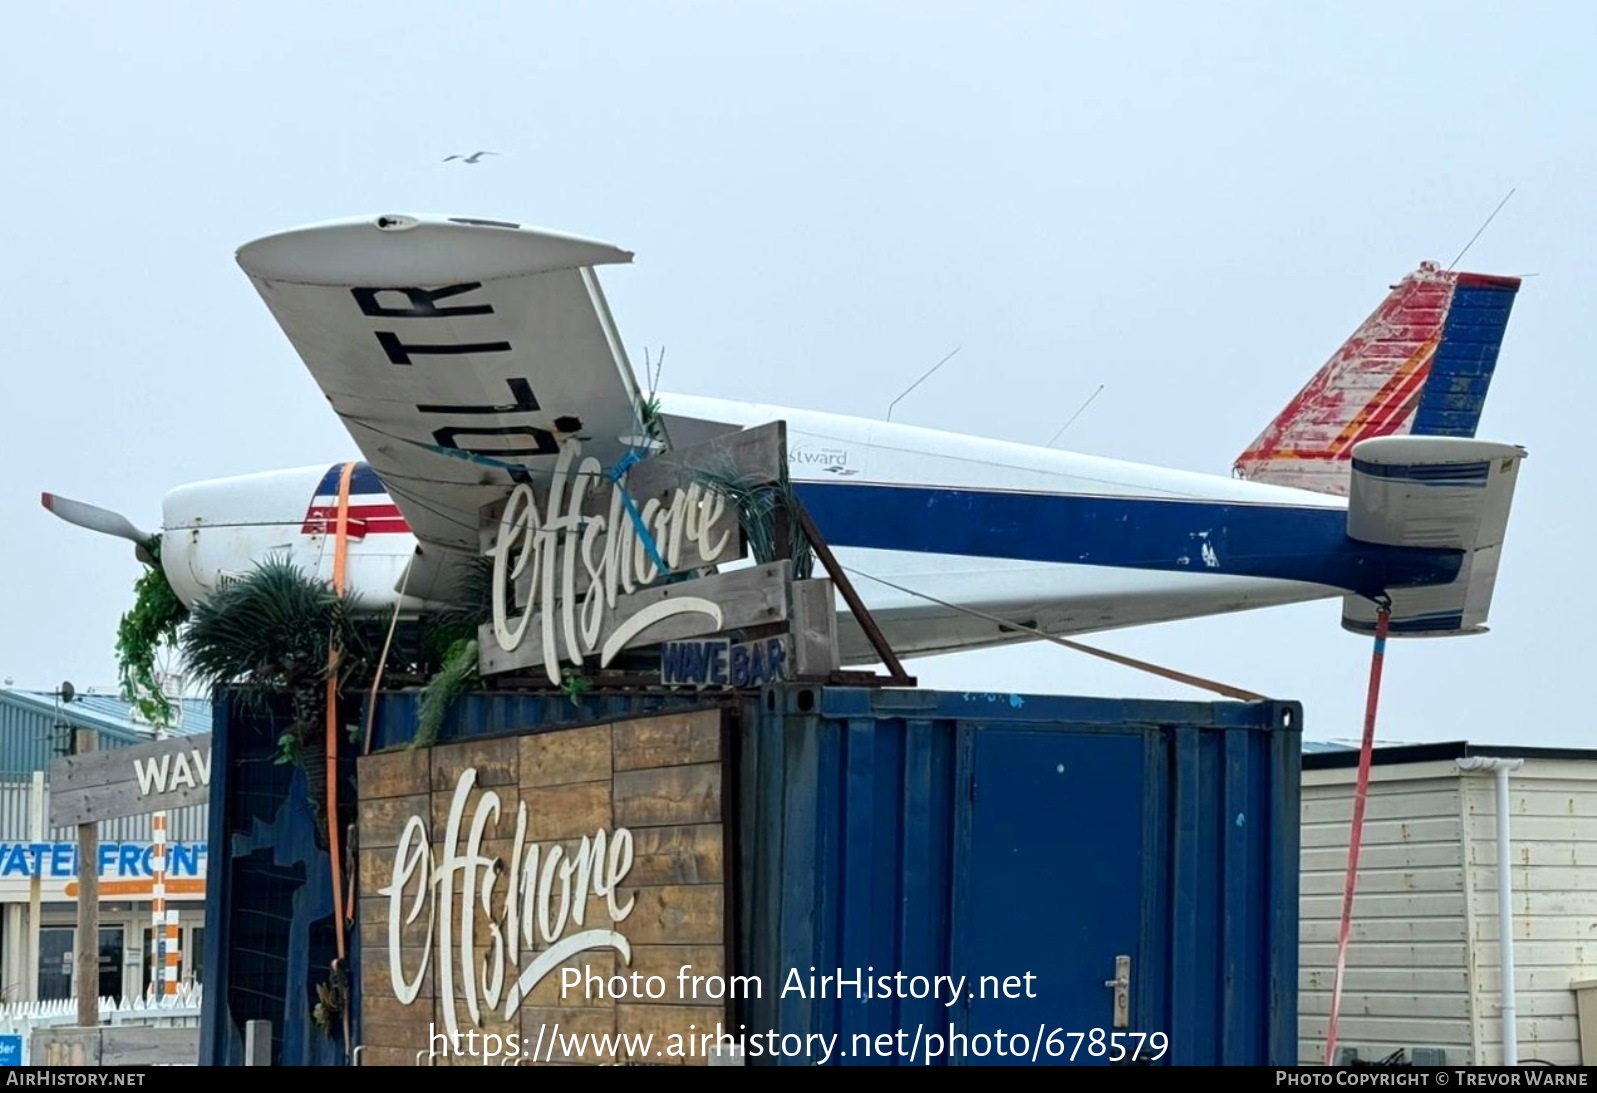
point(896, 676)
point(1121, 985)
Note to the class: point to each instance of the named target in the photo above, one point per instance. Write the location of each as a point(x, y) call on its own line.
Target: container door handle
point(1121, 985)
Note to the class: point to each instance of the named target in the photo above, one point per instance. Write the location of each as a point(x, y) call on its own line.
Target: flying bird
point(473, 158)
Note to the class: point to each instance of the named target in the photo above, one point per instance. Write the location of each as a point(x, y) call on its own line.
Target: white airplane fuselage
point(967, 531)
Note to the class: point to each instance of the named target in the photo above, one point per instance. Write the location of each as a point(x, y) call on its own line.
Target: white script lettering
point(538, 877)
point(613, 557)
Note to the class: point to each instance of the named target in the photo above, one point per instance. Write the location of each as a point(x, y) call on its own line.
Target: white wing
point(458, 352)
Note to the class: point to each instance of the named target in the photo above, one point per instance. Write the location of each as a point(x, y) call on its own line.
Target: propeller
point(102, 520)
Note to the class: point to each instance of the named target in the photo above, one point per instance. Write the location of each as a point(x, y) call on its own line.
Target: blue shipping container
point(986, 837)
point(1019, 843)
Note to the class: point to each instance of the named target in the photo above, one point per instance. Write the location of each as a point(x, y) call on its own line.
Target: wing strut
point(1382, 617)
point(897, 677)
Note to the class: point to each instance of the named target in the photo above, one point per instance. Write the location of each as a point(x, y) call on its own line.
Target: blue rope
point(628, 461)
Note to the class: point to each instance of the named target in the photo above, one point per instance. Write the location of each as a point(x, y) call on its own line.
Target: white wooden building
point(1424, 967)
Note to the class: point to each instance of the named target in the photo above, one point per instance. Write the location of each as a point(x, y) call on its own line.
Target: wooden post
point(88, 954)
point(35, 890)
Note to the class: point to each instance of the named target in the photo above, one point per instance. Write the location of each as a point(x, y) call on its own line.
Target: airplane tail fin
point(1420, 365)
point(1447, 493)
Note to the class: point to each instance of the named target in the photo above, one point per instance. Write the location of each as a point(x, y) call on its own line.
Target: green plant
point(288, 749)
point(275, 631)
point(758, 504)
point(331, 998)
point(573, 686)
point(155, 620)
point(650, 410)
point(459, 671)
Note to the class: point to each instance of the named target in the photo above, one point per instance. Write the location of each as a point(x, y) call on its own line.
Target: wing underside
point(459, 354)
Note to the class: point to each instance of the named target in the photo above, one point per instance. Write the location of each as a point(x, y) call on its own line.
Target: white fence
point(26, 1018)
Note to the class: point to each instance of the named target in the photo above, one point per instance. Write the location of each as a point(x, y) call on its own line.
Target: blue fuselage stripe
point(1276, 542)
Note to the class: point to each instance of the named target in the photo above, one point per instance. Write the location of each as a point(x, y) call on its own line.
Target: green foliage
point(443, 633)
point(573, 686)
point(758, 504)
point(459, 671)
point(273, 632)
point(155, 621)
point(287, 749)
point(273, 629)
point(332, 997)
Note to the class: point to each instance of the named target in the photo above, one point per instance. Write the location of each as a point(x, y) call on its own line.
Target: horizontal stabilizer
point(1439, 493)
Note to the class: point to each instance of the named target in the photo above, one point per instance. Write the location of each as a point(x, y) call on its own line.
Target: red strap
point(1382, 617)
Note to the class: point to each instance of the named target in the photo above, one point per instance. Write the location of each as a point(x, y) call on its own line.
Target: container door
point(1048, 901)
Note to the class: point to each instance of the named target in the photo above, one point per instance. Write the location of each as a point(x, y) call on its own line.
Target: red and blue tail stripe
point(371, 511)
point(1420, 365)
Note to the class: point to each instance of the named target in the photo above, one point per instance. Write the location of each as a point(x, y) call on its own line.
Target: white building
point(38, 865)
point(1424, 969)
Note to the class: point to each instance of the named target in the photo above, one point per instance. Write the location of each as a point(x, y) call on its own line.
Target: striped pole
point(166, 951)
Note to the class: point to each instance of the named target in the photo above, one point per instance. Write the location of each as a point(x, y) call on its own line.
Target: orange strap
point(340, 558)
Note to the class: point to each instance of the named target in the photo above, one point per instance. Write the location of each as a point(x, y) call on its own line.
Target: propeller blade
point(97, 519)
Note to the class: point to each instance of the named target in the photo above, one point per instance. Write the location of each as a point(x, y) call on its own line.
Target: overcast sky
point(1190, 204)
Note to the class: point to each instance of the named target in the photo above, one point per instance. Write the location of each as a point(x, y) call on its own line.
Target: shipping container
point(995, 836)
point(1097, 875)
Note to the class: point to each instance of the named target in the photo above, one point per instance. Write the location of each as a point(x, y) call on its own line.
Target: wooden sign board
point(119, 782)
point(587, 566)
point(523, 892)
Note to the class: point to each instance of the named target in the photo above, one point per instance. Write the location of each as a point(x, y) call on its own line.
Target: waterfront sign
point(119, 861)
point(114, 783)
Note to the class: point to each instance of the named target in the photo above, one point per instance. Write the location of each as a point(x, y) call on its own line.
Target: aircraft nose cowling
point(223, 528)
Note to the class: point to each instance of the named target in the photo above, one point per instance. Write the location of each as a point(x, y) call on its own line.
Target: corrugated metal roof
point(194, 713)
point(34, 727)
point(1318, 747)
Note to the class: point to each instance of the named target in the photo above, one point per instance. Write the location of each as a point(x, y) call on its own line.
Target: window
point(197, 954)
point(56, 962)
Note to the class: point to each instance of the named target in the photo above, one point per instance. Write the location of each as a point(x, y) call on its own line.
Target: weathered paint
point(1421, 364)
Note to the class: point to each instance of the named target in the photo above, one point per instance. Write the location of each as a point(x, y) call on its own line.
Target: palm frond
point(273, 628)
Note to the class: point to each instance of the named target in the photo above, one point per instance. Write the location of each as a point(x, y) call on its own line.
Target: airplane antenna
point(917, 383)
point(1074, 416)
point(1477, 234)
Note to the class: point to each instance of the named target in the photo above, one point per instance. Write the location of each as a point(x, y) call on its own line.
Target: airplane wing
point(1439, 492)
point(458, 352)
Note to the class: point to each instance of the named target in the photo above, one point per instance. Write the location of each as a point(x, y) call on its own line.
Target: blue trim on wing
point(362, 483)
point(1461, 371)
point(1269, 541)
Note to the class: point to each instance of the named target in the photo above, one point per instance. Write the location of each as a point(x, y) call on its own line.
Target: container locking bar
point(1121, 985)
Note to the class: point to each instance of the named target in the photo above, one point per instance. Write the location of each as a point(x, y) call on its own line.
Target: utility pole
point(87, 987)
point(35, 885)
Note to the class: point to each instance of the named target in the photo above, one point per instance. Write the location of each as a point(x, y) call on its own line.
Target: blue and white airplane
point(435, 338)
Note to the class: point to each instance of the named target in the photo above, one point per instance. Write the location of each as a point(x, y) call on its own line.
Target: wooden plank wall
point(660, 778)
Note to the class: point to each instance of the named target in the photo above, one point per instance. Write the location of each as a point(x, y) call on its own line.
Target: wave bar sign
point(119, 782)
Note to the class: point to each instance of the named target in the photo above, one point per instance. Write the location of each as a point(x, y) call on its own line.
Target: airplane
point(461, 352)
